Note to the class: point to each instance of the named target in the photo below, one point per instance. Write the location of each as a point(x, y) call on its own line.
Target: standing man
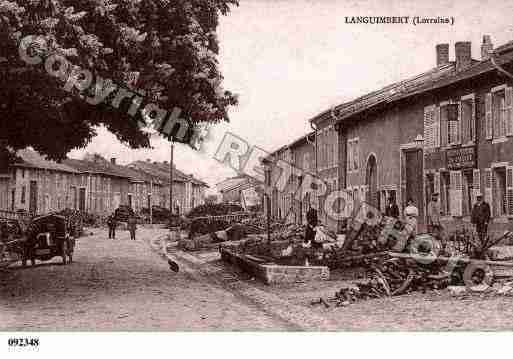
point(132, 226)
point(392, 210)
point(311, 223)
point(111, 223)
point(433, 214)
point(481, 216)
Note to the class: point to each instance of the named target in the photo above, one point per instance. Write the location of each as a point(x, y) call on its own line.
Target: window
point(353, 154)
point(307, 162)
point(23, 193)
point(468, 119)
point(498, 113)
point(499, 191)
point(449, 124)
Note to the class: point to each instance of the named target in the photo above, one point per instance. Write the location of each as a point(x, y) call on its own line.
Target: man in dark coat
point(132, 226)
point(392, 210)
point(481, 216)
point(311, 223)
point(111, 222)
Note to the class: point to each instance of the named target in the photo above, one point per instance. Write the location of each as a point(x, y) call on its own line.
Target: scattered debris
point(457, 290)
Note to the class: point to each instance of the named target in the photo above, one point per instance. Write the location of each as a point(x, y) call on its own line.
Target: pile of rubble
point(392, 277)
point(418, 264)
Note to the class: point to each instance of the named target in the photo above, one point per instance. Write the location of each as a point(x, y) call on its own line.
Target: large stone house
point(447, 130)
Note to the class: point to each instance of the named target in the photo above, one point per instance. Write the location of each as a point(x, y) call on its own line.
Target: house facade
point(188, 192)
point(289, 203)
point(448, 130)
point(94, 185)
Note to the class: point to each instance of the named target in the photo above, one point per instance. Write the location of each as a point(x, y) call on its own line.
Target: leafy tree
point(165, 50)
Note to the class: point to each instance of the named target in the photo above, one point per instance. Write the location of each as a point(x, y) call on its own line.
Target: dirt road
point(126, 285)
point(121, 285)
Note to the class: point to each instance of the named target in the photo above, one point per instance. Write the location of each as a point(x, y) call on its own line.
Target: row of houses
point(94, 185)
point(448, 130)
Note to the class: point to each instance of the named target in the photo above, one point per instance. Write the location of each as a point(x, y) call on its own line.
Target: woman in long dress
point(410, 215)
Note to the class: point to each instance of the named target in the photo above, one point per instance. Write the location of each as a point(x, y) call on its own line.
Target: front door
point(33, 197)
point(413, 177)
point(371, 180)
point(82, 199)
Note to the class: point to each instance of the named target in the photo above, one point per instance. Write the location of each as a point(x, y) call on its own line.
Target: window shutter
point(444, 128)
point(437, 182)
point(476, 185)
point(456, 194)
point(452, 183)
point(509, 112)
point(429, 127)
point(436, 120)
point(509, 190)
point(488, 116)
point(464, 120)
point(473, 126)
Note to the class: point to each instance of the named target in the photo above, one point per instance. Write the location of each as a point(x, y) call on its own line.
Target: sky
point(289, 60)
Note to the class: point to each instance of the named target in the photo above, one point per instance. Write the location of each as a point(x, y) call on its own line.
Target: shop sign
point(458, 158)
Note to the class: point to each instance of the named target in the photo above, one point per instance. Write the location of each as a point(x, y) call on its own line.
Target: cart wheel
point(64, 252)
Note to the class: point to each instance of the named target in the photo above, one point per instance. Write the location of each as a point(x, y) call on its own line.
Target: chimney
point(463, 55)
point(486, 47)
point(113, 160)
point(442, 54)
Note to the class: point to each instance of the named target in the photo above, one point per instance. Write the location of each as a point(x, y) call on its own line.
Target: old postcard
point(255, 166)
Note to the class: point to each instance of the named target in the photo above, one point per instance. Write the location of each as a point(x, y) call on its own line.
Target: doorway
point(33, 197)
point(413, 170)
point(81, 199)
point(371, 181)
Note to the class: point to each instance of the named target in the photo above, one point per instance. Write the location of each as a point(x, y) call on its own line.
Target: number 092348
point(23, 342)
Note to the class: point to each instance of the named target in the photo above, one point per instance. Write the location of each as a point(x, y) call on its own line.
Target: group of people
point(480, 215)
point(112, 223)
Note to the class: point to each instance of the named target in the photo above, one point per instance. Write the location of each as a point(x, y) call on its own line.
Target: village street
point(125, 285)
point(120, 285)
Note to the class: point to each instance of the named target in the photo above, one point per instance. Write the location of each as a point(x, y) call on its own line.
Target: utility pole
point(150, 202)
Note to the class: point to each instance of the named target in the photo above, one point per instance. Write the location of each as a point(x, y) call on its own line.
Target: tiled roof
point(433, 79)
point(99, 167)
point(157, 171)
point(294, 143)
point(32, 159)
point(161, 170)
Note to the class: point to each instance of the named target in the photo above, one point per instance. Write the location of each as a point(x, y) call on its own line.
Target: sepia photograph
point(216, 168)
